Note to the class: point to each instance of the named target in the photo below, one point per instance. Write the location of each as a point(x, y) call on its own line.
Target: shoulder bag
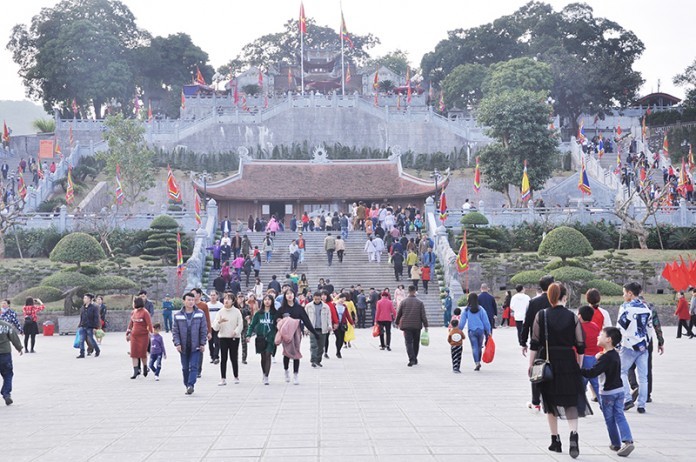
point(542, 370)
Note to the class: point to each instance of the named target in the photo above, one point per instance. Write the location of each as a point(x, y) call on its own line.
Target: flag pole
point(343, 70)
point(302, 55)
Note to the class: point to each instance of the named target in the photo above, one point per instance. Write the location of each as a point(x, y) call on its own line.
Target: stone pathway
point(367, 406)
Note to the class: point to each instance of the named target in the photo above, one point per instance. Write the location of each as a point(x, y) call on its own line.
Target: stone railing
point(444, 253)
point(205, 237)
point(593, 167)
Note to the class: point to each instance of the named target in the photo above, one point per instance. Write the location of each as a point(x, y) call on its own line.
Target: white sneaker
point(296, 379)
point(157, 378)
point(265, 380)
point(222, 383)
point(287, 376)
point(236, 380)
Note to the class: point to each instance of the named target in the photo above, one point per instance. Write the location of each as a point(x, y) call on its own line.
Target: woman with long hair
point(564, 395)
point(303, 283)
point(138, 334)
point(290, 315)
point(476, 320)
point(229, 324)
point(263, 325)
point(32, 307)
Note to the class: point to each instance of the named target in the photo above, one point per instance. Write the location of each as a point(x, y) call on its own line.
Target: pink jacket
point(273, 225)
point(385, 310)
point(238, 262)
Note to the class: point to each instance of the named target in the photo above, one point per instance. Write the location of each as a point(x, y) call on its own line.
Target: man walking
point(361, 305)
point(89, 320)
point(487, 301)
point(214, 305)
point(635, 323)
point(9, 337)
point(149, 306)
point(320, 315)
point(519, 304)
point(301, 245)
point(236, 244)
point(190, 333)
point(411, 318)
point(329, 247)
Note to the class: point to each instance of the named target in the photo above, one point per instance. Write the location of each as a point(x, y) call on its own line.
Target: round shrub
point(530, 277)
point(77, 248)
point(572, 274)
point(65, 280)
point(604, 287)
point(89, 270)
point(111, 283)
point(565, 242)
point(45, 293)
point(560, 263)
point(164, 222)
point(474, 219)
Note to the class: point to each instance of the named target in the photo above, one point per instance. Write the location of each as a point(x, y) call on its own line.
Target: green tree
point(518, 74)
point(687, 79)
point(77, 248)
point(128, 150)
point(565, 242)
point(162, 241)
point(284, 47)
point(79, 49)
point(463, 86)
point(166, 63)
point(396, 60)
point(518, 121)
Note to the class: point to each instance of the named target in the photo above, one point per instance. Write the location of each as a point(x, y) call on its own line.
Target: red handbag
point(489, 351)
point(375, 330)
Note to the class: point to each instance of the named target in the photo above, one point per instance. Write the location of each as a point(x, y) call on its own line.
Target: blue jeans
point(329, 256)
point(167, 316)
point(189, 366)
point(628, 357)
point(587, 363)
point(301, 255)
point(617, 426)
point(156, 363)
point(344, 233)
point(269, 253)
point(87, 335)
point(6, 373)
point(476, 340)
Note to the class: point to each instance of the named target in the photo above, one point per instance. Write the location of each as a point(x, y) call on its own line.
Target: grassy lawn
point(652, 255)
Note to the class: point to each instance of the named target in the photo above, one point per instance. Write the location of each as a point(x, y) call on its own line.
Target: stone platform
point(367, 406)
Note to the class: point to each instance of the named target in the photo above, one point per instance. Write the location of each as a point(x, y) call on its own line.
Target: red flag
point(71, 137)
point(197, 206)
point(345, 36)
point(665, 145)
point(583, 181)
point(58, 152)
point(39, 170)
point(303, 20)
point(618, 130)
point(5, 133)
point(119, 195)
point(375, 83)
point(477, 177)
point(265, 100)
point(70, 190)
point(408, 85)
point(183, 100)
point(692, 164)
point(463, 256)
point(199, 77)
point(172, 188)
point(683, 179)
point(21, 186)
point(260, 79)
point(442, 101)
point(74, 107)
point(348, 74)
point(443, 207)
point(149, 110)
point(236, 93)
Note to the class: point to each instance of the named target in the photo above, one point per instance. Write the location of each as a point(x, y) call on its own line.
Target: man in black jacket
point(89, 320)
point(535, 305)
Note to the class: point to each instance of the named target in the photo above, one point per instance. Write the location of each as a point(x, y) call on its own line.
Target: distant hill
point(19, 116)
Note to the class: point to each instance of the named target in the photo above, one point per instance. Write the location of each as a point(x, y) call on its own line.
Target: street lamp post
point(436, 176)
point(204, 177)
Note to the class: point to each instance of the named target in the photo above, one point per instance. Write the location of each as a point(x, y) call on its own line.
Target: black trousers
point(632, 379)
point(385, 329)
point(266, 363)
point(361, 317)
point(412, 339)
point(214, 345)
point(398, 272)
point(295, 364)
point(32, 337)
point(229, 347)
point(683, 323)
point(340, 335)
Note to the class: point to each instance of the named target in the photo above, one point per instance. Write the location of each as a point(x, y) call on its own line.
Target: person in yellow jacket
point(350, 306)
point(411, 259)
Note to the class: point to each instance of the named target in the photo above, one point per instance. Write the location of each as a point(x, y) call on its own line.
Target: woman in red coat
point(384, 315)
point(138, 334)
point(683, 314)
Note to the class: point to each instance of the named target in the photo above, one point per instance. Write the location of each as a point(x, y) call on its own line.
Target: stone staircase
point(354, 270)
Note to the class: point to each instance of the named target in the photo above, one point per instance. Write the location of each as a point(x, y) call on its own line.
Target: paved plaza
point(366, 406)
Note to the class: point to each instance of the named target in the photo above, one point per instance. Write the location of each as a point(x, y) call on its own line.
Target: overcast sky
point(221, 28)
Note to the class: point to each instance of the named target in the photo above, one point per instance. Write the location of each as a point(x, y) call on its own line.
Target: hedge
point(560, 263)
point(45, 293)
point(530, 277)
point(65, 280)
point(572, 274)
point(108, 283)
point(604, 287)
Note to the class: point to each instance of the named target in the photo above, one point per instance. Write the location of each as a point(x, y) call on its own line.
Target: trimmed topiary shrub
point(45, 293)
point(604, 287)
point(572, 274)
point(111, 283)
point(526, 278)
point(65, 280)
point(474, 219)
point(560, 264)
point(565, 242)
point(89, 270)
point(77, 248)
point(161, 242)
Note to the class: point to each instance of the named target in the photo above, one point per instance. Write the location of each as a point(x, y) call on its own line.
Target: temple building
point(290, 187)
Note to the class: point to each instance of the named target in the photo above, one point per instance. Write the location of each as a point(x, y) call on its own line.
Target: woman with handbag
point(478, 325)
point(384, 316)
point(556, 336)
point(263, 325)
point(229, 324)
point(138, 334)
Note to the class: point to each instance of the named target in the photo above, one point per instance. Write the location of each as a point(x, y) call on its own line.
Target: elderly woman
point(138, 334)
point(558, 335)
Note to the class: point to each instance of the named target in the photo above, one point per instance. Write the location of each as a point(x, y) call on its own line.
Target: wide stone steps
point(355, 269)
